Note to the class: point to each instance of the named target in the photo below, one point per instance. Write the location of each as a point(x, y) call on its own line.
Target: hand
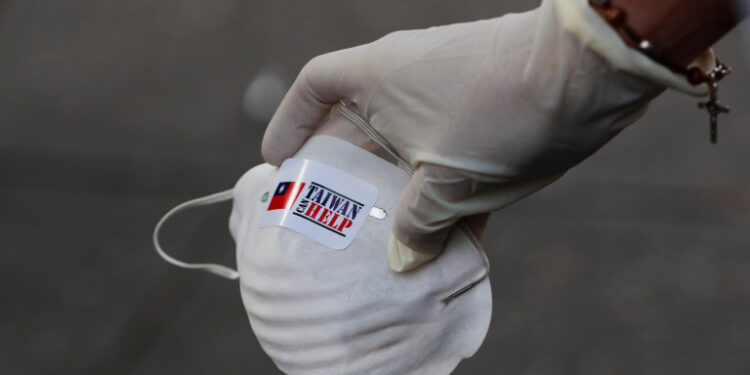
point(488, 112)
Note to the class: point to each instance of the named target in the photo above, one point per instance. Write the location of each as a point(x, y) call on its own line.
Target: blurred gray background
point(111, 112)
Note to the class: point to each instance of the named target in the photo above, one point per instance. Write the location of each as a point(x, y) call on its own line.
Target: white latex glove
point(487, 111)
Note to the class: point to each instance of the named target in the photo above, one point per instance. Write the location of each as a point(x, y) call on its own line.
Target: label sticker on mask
point(320, 202)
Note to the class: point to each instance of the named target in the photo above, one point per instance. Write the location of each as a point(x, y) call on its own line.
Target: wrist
point(680, 29)
point(594, 32)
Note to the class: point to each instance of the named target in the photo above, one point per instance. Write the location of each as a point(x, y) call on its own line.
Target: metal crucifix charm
point(712, 106)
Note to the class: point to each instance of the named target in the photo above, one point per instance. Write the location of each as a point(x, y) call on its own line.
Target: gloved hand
point(488, 111)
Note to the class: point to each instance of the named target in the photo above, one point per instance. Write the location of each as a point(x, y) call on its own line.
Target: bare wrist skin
point(681, 29)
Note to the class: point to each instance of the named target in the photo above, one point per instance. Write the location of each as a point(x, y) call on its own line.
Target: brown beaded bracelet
point(616, 18)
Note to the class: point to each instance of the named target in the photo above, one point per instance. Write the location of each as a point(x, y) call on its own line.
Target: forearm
point(681, 29)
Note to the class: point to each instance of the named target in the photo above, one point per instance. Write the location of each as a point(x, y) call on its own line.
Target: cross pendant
point(712, 106)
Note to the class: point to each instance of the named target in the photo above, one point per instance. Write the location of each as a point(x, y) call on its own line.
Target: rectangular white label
point(320, 202)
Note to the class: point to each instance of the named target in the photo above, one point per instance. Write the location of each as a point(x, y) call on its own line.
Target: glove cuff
point(579, 19)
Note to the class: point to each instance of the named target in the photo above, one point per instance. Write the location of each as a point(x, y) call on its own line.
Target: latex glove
point(487, 111)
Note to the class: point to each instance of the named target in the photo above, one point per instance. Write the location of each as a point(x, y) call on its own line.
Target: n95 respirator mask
point(312, 238)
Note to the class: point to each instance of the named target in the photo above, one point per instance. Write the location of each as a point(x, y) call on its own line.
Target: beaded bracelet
point(615, 17)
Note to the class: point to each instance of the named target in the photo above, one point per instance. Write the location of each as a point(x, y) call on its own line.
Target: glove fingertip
point(271, 153)
point(402, 258)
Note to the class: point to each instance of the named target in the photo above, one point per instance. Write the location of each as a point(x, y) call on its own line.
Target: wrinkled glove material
point(487, 112)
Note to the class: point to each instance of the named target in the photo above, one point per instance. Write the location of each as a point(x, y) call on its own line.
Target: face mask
point(312, 239)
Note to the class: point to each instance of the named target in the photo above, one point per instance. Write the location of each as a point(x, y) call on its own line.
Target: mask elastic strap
point(408, 168)
point(216, 269)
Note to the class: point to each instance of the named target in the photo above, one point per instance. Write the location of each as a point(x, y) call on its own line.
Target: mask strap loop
point(216, 269)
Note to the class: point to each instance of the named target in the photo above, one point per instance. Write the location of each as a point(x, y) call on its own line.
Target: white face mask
point(312, 239)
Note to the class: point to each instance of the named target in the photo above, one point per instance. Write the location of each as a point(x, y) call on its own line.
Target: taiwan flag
point(285, 195)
